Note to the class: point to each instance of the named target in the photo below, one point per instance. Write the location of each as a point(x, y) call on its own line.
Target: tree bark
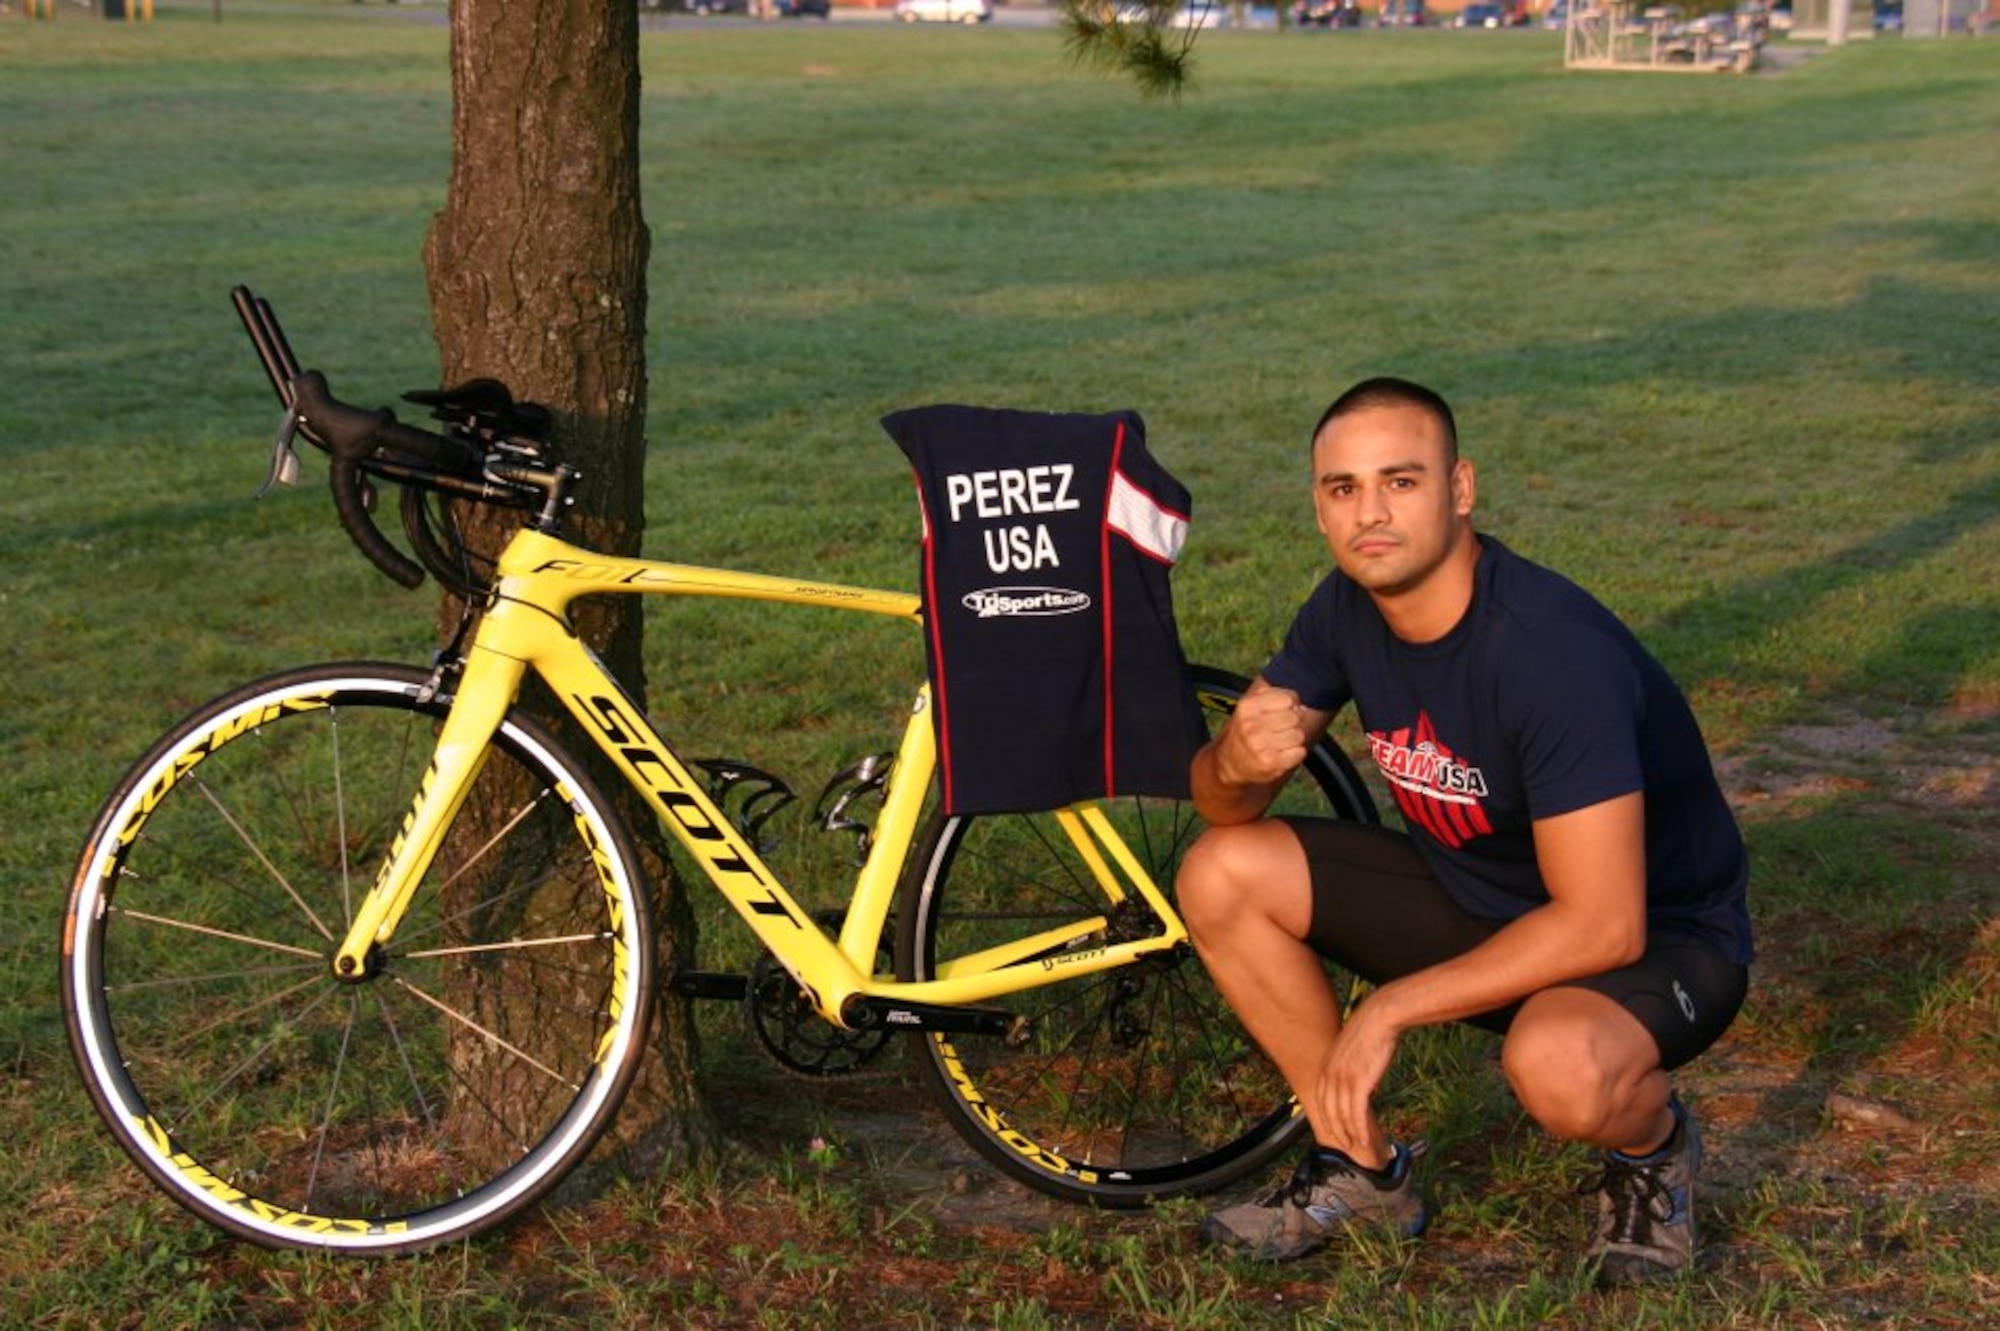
point(537, 272)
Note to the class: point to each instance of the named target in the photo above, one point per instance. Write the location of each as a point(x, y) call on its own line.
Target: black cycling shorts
point(1380, 912)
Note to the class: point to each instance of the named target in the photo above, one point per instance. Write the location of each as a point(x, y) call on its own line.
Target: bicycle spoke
point(485, 1032)
point(332, 1098)
point(506, 945)
point(1003, 864)
point(250, 844)
point(255, 1056)
point(526, 890)
point(189, 1037)
point(1164, 996)
point(432, 1126)
point(147, 917)
point(477, 856)
point(340, 822)
point(203, 979)
point(1080, 1048)
point(240, 887)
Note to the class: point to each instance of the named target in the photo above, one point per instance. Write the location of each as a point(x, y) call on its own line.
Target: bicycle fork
point(486, 692)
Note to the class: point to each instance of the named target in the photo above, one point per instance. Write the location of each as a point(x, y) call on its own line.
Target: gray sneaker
point(1324, 1195)
point(1645, 1209)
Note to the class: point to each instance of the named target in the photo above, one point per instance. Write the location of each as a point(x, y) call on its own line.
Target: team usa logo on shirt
point(1434, 788)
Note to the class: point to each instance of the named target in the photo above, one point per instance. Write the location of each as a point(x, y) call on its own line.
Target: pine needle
point(1133, 39)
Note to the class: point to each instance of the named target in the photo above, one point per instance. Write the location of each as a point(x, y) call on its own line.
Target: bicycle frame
point(527, 628)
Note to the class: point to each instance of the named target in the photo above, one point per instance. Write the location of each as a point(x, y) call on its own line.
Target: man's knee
point(1575, 1060)
point(1245, 872)
point(1209, 877)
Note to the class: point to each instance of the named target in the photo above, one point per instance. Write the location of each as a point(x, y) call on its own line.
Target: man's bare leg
point(1245, 892)
point(1586, 1070)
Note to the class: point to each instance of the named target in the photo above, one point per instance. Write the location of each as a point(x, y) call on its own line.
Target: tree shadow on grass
point(1866, 1050)
point(1931, 656)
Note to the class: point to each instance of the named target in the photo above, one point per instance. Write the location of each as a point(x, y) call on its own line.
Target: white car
point(945, 11)
point(1202, 14)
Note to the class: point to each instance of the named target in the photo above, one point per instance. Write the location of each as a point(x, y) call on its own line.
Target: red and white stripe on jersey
point(1141, 519)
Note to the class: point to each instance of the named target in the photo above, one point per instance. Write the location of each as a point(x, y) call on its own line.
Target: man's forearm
point(1221, 802)
point(1546, 947)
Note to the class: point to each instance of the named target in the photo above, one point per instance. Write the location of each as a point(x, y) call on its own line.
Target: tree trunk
point(537, 270)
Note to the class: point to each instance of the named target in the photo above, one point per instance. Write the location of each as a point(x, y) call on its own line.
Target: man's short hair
point(1386, 391)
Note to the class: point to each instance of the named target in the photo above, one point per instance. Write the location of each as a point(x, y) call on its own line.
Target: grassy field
point(1724, 348)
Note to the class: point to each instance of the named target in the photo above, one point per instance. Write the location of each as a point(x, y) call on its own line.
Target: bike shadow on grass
point(874, 1129)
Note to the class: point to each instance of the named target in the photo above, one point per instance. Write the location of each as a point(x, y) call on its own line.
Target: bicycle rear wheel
point(1135, 1083)
point(483, 1053)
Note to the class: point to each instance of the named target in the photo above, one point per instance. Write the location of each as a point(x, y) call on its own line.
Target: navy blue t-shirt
point(1539, 702)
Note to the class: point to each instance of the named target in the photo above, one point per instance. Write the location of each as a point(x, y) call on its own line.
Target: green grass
point(1724, 349)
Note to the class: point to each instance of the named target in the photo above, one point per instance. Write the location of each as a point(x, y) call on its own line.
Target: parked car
point(945, 11)
point(1327, 14)
point(805, 8)
point(1557, 15)
point(1480, 14)
point(1888, 15)
point(707, 7)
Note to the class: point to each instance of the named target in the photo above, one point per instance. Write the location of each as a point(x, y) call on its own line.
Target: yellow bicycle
point(358, 956)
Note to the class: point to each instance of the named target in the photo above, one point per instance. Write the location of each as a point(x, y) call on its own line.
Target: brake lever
point(284, 459)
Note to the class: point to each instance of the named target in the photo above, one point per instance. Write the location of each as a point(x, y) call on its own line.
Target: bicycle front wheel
point(1134, 1083)
point(477, 1060)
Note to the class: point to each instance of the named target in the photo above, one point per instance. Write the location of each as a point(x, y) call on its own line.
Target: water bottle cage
point(833, 811)
point(749, 795)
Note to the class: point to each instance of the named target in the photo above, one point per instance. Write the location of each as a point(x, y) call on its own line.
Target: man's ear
point(1464, 487)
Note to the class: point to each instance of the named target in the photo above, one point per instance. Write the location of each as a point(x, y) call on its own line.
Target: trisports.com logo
point(1005, 602)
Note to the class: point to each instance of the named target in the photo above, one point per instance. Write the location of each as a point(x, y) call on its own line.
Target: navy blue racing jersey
point(1539, 702)
point(1056, 667)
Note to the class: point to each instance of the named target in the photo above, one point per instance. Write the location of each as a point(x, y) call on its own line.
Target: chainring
point(793, 1032)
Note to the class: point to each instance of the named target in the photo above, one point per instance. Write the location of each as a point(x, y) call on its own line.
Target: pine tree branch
point(1136, 38)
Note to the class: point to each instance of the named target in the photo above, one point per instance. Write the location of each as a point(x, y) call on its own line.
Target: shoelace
point(1312, 1170)
point(1639, 1196)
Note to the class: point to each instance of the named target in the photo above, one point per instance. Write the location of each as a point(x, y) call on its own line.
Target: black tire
point(477, 1064)
point(1136, 1083)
